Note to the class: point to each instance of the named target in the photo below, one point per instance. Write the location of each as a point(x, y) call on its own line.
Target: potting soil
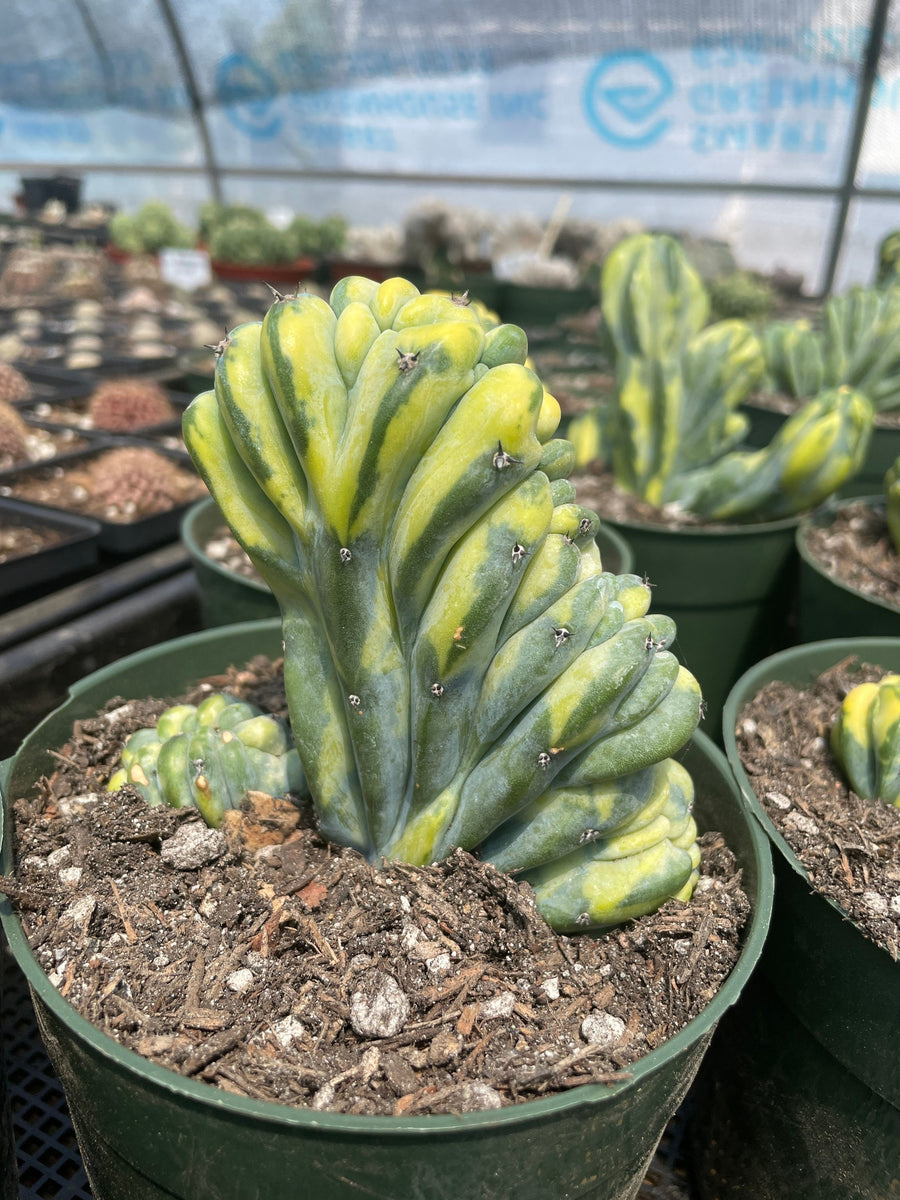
point(855, 548)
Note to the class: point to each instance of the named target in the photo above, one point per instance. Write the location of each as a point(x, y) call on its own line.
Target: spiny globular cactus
point(13, 384)
point(136, 480)
point(13, 436)
point(865, 739)
point(892, 502)
point(121, 405)
point(209, 756)
point(454, 651)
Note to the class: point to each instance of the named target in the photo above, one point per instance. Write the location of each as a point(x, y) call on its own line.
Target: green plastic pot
point(884, 448)
point(523, 304)
point(147, 1133)
point(828, 607)
point(807, 1071)
point(764, 424)
point(226, 597)
point(729, 589)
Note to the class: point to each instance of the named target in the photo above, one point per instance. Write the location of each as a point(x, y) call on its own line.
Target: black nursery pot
point(75, 551)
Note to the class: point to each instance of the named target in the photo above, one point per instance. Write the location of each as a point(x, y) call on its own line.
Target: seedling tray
point(117, 538)
point(76, 549)
point(76, 406)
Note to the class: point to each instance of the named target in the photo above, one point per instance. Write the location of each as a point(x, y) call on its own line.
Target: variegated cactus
point(865, 739)
point(208, 756)
point(892, 502)
point(794, 356)
point(862, 344)
point(455, 655)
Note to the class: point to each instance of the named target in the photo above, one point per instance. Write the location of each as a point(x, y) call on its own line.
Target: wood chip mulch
point(849, 846)
point(268, 963)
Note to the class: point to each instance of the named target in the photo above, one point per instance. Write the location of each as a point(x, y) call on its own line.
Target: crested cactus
point(892, 502)
point(865, 739)
point(862, 346)
point(209, 756)
point(794, 354)
point(455, 655)
point(813, 454)
point(120, 405)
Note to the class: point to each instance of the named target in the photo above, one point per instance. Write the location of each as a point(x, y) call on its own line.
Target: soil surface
point(856, 549)
point(849, 846)
point(269, 963)
point(597, 489)
point(16, 541)
point(41, 445)
point(75, 413)
point(223, 548)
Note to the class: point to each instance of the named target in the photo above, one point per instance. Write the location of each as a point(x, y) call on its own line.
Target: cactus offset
point(865, 739)
point(209, 756)
point(454, 651)
point(121, 405)
point(13, 436)
point(892, 502)
point(13, 384)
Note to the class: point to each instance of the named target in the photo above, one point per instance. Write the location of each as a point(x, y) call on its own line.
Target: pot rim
point(189, 522)
point(128, 1061)
point(778, 666)
point(824, 515)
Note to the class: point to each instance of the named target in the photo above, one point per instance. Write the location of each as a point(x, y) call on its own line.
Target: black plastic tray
point(78, 549)
point(115, 537)
point(180, 400)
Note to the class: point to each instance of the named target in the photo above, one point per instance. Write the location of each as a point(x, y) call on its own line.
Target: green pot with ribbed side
point(147, 1133)
point(227, 597)
point(731, 590)
point(800, 1097)
point(830, 608)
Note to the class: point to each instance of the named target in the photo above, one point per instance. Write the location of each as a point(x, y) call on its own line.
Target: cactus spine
point(209, 756)
point(865, 739)
point(453, 648)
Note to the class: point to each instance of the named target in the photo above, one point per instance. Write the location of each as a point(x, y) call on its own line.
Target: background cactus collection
point(460, 669)
point(672, 434)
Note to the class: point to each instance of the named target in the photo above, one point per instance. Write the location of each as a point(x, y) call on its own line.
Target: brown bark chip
point(271, 964)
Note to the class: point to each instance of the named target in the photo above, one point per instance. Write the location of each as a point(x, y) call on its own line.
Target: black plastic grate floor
point(47, 1154)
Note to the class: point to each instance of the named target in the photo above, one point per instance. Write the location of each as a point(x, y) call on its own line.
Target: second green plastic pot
point(829, 608)
point(227, 597)
point(731, 591)
point(884, 449)
point(147, 1133)
point(807, 1071)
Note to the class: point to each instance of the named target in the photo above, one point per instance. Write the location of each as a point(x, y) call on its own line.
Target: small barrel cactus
point(13, 436)
point(121, 405)
point(13, 384)
point(135, 481)
point(865, 739)
point(455, 654)
point(209, 756)
point(892, 502)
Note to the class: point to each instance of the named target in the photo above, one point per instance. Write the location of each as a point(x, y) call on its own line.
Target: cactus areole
point(460, 670)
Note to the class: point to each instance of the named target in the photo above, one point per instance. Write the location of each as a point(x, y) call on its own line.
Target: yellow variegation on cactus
point(458, 665)
point(865, 739)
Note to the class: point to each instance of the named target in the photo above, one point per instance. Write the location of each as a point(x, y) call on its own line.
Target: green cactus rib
point(892, 502)
point(209, 756)
point(453, 647)
point(861, 346)
point(865, 739)
point(816, 451)
point(794, 356)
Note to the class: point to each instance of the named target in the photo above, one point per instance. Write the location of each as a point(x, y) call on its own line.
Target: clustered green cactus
point(888, 269)
point(858, 346)
point(865, 739)
point(152, 228)
point(742, 294)
point(892, 502)
point(672, 433)
point(460, 670)
point(209, 756)
point(250, 239)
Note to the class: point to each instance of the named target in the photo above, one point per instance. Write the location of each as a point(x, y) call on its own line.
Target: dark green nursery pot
point(830, 608)
point(146, 1133)
point(730, 590)
point(806, 1071)
point(227, 597)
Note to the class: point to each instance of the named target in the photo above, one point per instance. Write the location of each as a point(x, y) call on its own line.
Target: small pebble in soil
point(500, 1005)
point(602, 1029)
point(379, 1008)
point(240, 981)
point(192, 846)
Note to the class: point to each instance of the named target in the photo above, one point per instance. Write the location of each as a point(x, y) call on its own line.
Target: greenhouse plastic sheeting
point(562, 94)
